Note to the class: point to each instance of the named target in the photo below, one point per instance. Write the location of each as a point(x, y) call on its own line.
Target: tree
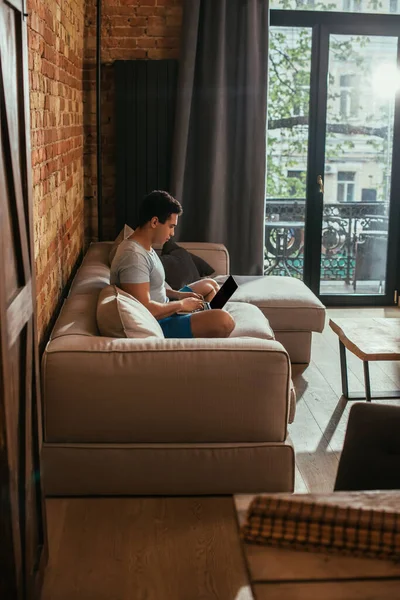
point(288, 108)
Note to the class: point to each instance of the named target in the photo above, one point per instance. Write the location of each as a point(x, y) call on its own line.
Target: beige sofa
point(150, 416)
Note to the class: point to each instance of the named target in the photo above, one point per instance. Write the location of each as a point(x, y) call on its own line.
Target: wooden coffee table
point(370, 340)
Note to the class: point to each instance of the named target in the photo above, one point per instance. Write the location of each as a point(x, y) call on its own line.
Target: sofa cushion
point(120, 315)
point(202, 266)
point(179, 268)
point(125, 232)
point(77, 317)
point(287, 302)
point(249, 321)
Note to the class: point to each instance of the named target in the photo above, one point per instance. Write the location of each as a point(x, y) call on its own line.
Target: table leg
point(367, 381)
point(343, 369)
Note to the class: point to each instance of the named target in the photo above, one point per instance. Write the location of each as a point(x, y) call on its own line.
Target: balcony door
point(333, 165)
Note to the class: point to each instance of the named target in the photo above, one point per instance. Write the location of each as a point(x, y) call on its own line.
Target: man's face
point(164, 231)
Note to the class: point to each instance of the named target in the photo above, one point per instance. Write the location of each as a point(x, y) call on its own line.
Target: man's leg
point(212, 324)
point(206, 287)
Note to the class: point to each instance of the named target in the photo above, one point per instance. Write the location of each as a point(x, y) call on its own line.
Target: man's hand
point(175, 295)
point(191, 304)
point(183, 295)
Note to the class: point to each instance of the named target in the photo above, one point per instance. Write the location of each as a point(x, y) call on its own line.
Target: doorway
point(333, 165)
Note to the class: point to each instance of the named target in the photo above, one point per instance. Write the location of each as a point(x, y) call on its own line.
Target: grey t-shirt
point(134, 264)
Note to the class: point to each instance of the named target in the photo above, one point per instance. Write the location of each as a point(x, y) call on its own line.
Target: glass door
point(332, 215)
point(287, 149)
point(362, 82)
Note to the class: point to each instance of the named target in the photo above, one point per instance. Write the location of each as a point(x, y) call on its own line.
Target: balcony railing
point(343, 228)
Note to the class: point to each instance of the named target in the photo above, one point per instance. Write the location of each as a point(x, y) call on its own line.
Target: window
point(348, 96)
point(301, 4)
point(352, 5)
point(357, 6)
point(345, 188)
point(393, 6)
point(368, 195)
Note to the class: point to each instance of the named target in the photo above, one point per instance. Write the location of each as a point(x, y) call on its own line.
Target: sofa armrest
point(167, 391)
point(216, 255)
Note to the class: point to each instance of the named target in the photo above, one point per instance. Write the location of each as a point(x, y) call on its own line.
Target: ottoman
point(293, 311)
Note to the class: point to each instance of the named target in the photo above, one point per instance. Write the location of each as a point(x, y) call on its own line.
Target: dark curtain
point(219, 156)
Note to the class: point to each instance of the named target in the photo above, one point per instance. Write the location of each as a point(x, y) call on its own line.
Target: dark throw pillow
point(203, 269)
point(202, 265)
point(179, 266)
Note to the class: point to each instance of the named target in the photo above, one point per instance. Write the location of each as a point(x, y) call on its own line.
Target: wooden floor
point(188, 548)
point(144, 549)
point(321, 418)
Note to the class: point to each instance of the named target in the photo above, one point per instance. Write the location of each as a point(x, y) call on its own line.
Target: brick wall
point(56, 39)
point(62, 42)
point(131, 29)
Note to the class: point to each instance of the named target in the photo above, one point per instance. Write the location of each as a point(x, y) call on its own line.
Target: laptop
point(221, 297)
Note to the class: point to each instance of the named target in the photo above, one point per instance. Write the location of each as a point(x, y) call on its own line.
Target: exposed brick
point(146, 43)
point(55, 60)
point(125, 21)
point(62, 50)
point(162, 30)
point(145, 10)
point(118, 32)
point(162, 53)
point(166, 42)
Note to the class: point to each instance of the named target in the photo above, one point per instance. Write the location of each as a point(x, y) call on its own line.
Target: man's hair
point(158, 204)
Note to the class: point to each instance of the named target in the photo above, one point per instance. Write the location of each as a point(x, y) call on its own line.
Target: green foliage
point(288, 107)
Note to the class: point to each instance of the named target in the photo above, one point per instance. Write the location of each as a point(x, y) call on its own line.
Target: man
point(137, 270)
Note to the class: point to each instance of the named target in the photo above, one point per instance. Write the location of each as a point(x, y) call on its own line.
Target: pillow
point(120, 315)
point(202, 265)
point(179, 268)
point(123, 234)
point(182, 267)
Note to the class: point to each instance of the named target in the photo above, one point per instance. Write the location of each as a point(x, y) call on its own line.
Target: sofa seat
point(293, 311)
point(114, 412)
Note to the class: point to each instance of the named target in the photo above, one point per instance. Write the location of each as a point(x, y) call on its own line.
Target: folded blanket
point(303, 522)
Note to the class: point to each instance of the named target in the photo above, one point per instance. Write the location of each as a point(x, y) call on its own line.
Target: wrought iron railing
point(342, 228)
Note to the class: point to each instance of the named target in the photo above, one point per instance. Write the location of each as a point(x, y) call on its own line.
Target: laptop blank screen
point(223, 295)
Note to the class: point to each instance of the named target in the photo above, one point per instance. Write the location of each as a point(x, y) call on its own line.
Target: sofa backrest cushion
point(125, 232)
point(215, 254)
point(181, 267)
point(120, 315)
point(77, 316)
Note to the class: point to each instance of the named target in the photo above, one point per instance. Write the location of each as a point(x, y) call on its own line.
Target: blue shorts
point(177, 326)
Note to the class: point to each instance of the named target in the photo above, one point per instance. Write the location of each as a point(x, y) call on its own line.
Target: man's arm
point(159, 310)
point(176, 295)
point(141, 291)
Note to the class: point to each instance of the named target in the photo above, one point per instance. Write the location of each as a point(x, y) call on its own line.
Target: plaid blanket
point(318, 526)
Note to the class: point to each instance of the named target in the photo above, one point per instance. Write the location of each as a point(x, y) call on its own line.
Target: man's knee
point(224, 324)
point(211, 284)
point(214, 284)
point(207, 288)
